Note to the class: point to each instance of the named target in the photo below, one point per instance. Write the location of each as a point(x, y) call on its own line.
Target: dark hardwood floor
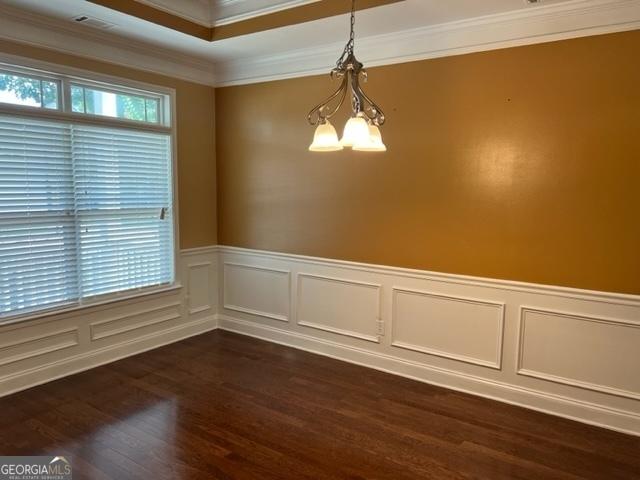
point(224, 406)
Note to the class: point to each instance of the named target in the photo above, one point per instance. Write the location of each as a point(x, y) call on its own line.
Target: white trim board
point(95, 358)
point(225, 18)
point(225, 11)
point(543, 23)
point(445, 335)
point(552, 404)
point(546, 23)
point(37, 30)
point(55, 344)
point(567, 292)
point(462, 332)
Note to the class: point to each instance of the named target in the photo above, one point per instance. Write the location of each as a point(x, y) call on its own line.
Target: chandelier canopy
point(362, 130)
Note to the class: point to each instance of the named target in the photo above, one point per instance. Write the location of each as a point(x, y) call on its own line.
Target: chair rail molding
point(456, 331)
point(559, 350)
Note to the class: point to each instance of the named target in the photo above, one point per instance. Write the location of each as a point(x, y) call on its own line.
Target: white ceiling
point(511, 21)
point(386, 19)
point(219, 12)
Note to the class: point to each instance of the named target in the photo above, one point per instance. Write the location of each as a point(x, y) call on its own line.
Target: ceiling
point(392, 23)
point(220, 12)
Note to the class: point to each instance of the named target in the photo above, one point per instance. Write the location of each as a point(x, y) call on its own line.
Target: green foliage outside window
point(41, 92)
point(44, 93)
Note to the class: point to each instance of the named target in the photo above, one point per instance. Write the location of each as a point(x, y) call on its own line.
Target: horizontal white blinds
point(123, 204)
point(84, 211)
point(37, 231)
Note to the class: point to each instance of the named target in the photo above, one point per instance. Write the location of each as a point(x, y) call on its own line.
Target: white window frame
point(64, 75)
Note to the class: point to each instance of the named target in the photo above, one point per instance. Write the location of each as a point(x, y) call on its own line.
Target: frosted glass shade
point(356, 131)
point(325, 139)
point(373, 143)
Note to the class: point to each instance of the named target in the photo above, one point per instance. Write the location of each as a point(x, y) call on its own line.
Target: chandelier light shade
point(325, 139)
point(356, 132)
point(362, 132)
point(374, 144)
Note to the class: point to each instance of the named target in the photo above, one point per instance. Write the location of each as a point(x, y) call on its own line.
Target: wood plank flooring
point(225, 406)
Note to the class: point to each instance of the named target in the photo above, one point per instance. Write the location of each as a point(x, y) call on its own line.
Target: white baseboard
point(563, 351)
point(584, 412)
point(85, 361)
point(56, 344)
point(567, 352)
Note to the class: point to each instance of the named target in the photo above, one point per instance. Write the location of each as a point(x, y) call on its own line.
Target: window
point(28, 91)
point(114, 104)
point(86, 208)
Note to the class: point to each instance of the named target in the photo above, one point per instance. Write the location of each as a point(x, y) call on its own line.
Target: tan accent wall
point(196, 139)
point(520, 164)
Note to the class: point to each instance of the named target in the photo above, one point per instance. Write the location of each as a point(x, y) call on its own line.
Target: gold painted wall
point(520, 164)
point(195, 106)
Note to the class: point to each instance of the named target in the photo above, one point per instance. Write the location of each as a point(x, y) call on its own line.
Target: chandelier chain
point(352, 74)
point(352, 36)
point(349, 47)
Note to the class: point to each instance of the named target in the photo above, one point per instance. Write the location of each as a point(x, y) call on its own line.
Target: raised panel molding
point(134, 321)
point(623, 347)
point(55, 344)
point(199, 286)
point(38, 345)
point(483, 310)
point(455, 332)
point(323, 307)
point(264, 301)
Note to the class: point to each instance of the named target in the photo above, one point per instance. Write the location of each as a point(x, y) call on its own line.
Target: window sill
point(76, 308)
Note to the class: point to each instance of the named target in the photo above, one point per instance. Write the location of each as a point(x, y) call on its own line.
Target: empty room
point(319, 239)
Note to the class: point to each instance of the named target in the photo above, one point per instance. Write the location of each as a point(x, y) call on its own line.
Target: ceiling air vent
point(93, 22)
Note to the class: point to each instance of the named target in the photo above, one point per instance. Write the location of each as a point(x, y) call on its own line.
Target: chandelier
point(362, 130)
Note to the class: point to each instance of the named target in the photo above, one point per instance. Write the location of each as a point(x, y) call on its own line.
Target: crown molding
point(573, 19)
point(210, 9)
point(249, 14)
point(206, 9)
point(44, 32)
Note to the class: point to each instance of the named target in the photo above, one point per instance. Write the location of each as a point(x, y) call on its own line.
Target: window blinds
point(37, 233)
point(84, 211)
point(123, 199)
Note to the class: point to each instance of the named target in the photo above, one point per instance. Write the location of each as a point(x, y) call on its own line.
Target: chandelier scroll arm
point(361, 132)
point(378, 117)
point(316, 115)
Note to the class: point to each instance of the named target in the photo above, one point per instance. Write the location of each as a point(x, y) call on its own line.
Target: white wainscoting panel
point(55, 344)
point(448, 326)
point(456, 331)
point(149, 317)
point(341, 306)
point(257, 290)
point(581, 350)
point(200, 276)
point(37, 346)
point(567, 352)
